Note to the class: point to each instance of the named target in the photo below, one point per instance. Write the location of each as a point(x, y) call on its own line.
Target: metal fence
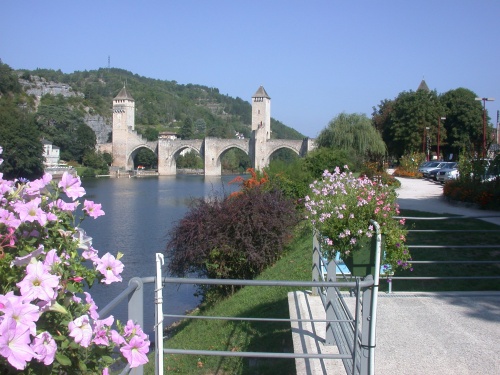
point(352, 332)
point(436, 243)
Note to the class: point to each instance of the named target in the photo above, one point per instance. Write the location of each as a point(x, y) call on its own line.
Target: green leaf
point(82, 366)
point(63, 360)
point(107, 359)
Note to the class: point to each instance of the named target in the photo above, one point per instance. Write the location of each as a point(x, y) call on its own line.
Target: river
point(139, 212)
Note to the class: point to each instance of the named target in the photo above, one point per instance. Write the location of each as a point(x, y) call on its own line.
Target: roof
point(124, 94)
point(423, 86)
point(261, 93)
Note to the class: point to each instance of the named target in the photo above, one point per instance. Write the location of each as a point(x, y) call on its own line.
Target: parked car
point(432, 166)
point(432, 174)
point(446, 174)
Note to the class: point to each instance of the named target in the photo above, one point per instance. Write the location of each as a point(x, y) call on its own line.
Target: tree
point(353, 133)
point(8, 80)
point(200, 127)
point(187, 129)
point(20, 139)
point(190, 159)
point(405, 120)
point(146, 158)
point(151, 134)
point(464, 122)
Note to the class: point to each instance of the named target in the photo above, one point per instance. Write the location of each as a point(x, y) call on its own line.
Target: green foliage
point(353, 133)
point(323, 159)
point(97, 161)
point(235, 160)
point(409, 163)
point(190, 160)
point(231, 237)
point(292, 178)
point(9, 82)
point(464, 122)
point(65, 128)
point(146, 158)
point(20, 139)
point(410, 113)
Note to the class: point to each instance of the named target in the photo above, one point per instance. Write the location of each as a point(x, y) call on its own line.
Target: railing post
point(366, 321)
point(136, 312)
point(329, 310)
point(316, 263)
point(159, 316)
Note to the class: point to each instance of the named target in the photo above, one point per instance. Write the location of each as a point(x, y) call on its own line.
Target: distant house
point(51, 153)
point(167, 135)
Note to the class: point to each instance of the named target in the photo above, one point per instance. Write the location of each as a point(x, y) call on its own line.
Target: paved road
point(419, 333)
point(425, 195)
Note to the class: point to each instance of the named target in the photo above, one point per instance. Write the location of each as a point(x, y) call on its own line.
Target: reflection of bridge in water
point(259, 148)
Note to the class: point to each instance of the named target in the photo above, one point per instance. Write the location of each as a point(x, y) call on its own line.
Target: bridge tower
point(123, 122)
point(261, 126)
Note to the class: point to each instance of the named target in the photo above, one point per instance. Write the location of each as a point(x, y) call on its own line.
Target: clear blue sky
point(314, 58)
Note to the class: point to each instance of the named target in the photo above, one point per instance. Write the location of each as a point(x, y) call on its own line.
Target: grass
point(296, 265)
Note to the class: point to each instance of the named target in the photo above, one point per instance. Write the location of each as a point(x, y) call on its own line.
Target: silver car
point(429, 167)
point(447, 174)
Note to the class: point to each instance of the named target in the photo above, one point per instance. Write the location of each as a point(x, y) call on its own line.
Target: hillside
point(160, 105)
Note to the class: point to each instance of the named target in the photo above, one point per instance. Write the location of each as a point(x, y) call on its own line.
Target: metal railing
point(465, 245)
point(352, 332)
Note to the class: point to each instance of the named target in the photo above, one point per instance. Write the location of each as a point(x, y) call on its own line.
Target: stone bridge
point(259, 148)
point(211, 151)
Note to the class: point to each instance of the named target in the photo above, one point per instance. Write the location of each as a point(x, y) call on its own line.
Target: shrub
point(408, 165)
point(231, 237)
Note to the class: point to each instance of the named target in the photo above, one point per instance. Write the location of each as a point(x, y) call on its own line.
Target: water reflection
point(139, 215)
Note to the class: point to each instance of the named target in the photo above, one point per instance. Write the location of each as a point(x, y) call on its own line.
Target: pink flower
point(110, 267)
point(8, 218)
point(31, 211)
point(33, 188)
point(81, 330)
point(14, 344)
point(92, 307)
point(117, 338)
point(101, 329)
point(132, 329)
point(19, 309)
point(21, 261)
point(135, 351)
point(71, 186)
point(93, 209)
point(45, 347)
point(39, 283)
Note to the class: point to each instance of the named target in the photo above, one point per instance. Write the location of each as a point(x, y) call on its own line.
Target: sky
point(315, 59)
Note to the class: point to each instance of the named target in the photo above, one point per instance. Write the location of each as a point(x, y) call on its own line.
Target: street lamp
point(428, 142)
point(484, 121)
point(439, 126)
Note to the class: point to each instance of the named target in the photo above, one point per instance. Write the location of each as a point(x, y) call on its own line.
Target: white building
point(51, 153)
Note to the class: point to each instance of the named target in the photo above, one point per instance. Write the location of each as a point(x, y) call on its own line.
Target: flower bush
point(49, 323)
point(341, 206)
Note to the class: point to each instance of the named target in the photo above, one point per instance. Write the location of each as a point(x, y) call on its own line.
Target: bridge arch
point(132, 154)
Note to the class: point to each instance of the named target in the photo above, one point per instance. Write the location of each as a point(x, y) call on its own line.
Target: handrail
point(452, 247)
